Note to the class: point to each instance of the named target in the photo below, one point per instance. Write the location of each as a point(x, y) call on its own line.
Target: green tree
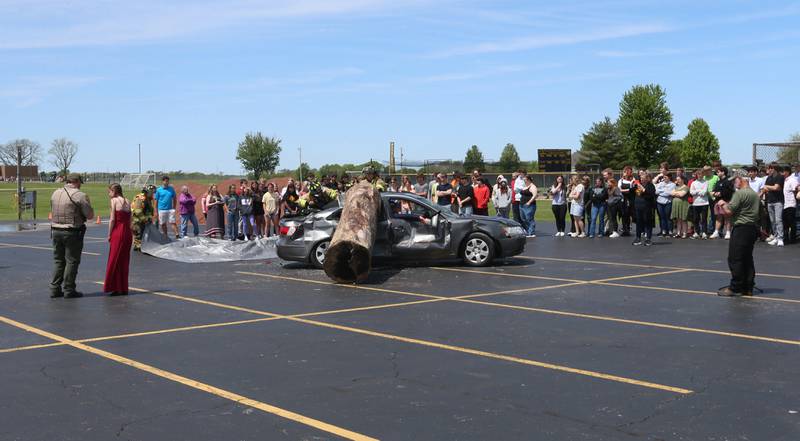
point(331, 169)
point(700, 147)
point(644, 123)
point(303, 171)
point(258, 154)
point(601, 145)
point(372, 163)
point(474, 160)
point(791, 155)
point(509, 159)
point(672, 154)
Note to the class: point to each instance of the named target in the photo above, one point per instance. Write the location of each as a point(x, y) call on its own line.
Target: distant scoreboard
point(555, 160)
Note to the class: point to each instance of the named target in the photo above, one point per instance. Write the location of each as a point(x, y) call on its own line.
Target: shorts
point(576, 210)
point(166, 216)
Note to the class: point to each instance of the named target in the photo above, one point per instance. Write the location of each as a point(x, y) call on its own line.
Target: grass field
point(98, 195)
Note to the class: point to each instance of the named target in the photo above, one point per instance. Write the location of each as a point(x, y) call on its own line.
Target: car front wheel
point(318, 253)
point(478, 250)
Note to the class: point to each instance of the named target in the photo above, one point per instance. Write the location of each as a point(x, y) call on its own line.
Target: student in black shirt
point(465, 197)
point(443, 192)
point(773, 187)
point(645, 203)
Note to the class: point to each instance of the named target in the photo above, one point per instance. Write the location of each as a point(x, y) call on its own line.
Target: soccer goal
point(781, 152)
point(137, 180)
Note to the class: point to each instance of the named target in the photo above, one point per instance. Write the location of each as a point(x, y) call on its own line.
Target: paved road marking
point(634, 265)
point(557, 279)
point(525, 361)
point(35, 247)
point(555, 367)
point(468, 299)
point(216, 325)
point(610, 282)
point(239, 399)
point(139, 334)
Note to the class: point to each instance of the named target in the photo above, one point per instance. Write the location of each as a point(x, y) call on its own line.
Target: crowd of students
point(681, 204)
point(686, 205)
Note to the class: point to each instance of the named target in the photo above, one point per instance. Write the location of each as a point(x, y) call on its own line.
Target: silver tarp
point(204, 249)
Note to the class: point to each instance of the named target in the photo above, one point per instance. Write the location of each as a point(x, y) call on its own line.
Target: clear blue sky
point(187, 79)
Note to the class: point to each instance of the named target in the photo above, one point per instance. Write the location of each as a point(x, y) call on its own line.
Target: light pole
point(300, 168)
point(140, 159)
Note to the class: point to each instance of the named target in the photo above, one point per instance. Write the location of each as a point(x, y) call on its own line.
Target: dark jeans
point(613, 213)
point(185, 220)
point(644, 222)
point(700, 219)
point(712, 219)
point(67, 249)
point(231, 225)
point(503, 212)
point(740, 258)
point(560, 213)
point(789, 225)
point(515, 213)
point(664, 217)
point(627, 212)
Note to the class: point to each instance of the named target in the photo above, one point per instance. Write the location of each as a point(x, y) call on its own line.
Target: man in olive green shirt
point(744, 207)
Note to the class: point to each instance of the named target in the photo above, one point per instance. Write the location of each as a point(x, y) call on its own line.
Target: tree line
point(24, 152)
point(642, 135)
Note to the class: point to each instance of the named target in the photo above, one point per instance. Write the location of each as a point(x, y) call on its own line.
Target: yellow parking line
point(610, 282)
point(239, 399)
point(634, 265)
point(35, 247)
point(469, 299)
point(525, 361)
point(434, 344)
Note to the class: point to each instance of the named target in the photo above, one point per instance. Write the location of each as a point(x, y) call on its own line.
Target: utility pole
point(140, 159)
point(19, 182)
point(300, 168)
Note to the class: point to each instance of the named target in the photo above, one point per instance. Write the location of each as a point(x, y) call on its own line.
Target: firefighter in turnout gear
point(141, 215)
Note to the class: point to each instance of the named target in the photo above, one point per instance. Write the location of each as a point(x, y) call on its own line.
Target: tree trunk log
point(349, 257)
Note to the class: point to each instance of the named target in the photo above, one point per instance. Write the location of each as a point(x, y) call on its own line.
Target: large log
point(349, 256)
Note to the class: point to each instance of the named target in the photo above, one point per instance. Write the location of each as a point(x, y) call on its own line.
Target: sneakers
point(531, 236)
point(704, 236)
point(728, 235)
point(582, 235)
point(779, 243)
point(647, 242)
point(770, 238)
point(714, 235)
point(637, 242)
point(695, 236)
point(614, 235)
point(591, 236)
point(772, 241)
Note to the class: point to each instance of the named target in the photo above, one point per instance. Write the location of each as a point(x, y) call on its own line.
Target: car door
point(417, 231)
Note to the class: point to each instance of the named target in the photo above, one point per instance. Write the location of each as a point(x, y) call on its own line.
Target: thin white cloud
point(637, 54)
point(479, 74)
point(29, 91)
point(49, 24)
point(543, 41)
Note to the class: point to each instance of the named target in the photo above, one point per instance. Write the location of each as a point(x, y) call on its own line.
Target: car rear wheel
point(318, 253)
point(478, 250)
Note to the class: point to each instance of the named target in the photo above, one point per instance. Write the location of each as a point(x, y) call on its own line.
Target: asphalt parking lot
point(574, 340)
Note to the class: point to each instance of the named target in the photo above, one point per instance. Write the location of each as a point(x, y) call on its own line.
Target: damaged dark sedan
point(410, 228)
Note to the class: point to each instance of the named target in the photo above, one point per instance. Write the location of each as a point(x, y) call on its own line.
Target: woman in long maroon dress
point(120, 238)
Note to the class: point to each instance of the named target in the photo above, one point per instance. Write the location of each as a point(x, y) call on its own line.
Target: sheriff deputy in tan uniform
point(71, 209)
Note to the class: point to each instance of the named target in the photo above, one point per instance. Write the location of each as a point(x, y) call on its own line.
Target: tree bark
point(349, 257)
